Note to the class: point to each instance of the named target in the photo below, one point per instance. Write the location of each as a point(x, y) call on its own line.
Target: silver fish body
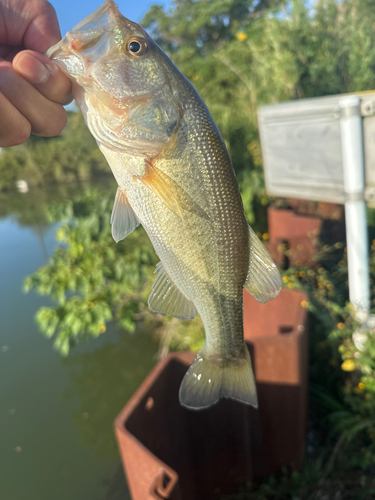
point(176, 178)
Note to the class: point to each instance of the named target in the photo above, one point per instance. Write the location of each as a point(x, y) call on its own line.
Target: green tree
point(73, 156)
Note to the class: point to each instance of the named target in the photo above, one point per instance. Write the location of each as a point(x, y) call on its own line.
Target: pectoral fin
point(263, 278)
point(169, 192)
point(123, 218)
point(166, 298)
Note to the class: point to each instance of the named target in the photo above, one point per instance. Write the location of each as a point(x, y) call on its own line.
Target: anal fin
point(263, 278)
point(166, 298)
point(123, 218)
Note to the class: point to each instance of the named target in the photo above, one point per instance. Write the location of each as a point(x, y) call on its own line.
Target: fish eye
point(136, 47)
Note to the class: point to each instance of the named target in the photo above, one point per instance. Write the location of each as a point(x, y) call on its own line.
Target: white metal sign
point(302, 150)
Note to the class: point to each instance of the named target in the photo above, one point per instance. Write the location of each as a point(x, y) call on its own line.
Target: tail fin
point(208, 380)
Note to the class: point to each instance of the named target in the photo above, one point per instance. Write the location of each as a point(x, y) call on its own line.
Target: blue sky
point(71, 12)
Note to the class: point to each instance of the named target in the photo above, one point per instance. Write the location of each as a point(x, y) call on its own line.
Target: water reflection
point(115, 487)
point(32, 208)
point(103, 380)
point(57, 415)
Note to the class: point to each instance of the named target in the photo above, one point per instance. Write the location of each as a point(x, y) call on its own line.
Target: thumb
point(44, 75)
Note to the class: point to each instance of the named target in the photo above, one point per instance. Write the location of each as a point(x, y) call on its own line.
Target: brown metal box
point(171, 452)
point(294, 239)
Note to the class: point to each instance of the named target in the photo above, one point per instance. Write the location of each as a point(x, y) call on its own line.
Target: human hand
point(32, 88)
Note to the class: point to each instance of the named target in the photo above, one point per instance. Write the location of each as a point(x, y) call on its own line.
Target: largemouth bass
point(175, 177)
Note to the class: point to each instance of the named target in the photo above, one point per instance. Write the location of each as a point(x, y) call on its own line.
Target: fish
point(175, 178)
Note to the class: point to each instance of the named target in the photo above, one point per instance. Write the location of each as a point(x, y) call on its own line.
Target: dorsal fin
point(263, 278)
point(166, 298)
point(123, 218)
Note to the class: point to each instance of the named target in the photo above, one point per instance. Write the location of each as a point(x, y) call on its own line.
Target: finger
point(44, 30)
point(31, 23)
point(7, 52)
point(45, 75)
point(14, 128)
point(47, 118)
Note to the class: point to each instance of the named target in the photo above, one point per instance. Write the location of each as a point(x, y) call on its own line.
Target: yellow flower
point(90, 304)
point(102, 328)
point(304, 303)
point(285, 279)
point(195, 77)
point(290, 285)
point(361, 386)
point(348, 365)
point(302, 274)
point(340, 326)
point(265, 236)
point(241, 36)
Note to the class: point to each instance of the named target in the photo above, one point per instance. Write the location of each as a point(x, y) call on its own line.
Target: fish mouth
point(91, 28)
point(101, 17)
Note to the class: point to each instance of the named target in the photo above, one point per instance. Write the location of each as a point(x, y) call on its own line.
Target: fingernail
point(31, 68)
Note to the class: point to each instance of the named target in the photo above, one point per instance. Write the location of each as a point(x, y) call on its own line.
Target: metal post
point(355, 207)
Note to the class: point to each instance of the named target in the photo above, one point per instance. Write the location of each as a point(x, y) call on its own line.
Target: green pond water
point(56, 414)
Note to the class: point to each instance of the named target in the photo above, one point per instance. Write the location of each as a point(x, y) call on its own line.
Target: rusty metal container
point(287, 224)
point(169, 452)
point(277, 331)
point(294, 239)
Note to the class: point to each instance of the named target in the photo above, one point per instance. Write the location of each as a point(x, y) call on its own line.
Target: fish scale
point(176, 178)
